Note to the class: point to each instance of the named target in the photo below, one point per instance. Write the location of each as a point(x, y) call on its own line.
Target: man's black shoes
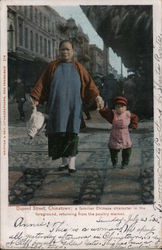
point(61, 168)
point(72, 171)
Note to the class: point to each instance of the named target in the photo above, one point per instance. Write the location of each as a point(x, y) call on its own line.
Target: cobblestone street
point(35, 180)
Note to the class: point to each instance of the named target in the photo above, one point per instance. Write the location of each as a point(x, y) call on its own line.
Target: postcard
point(81, 119)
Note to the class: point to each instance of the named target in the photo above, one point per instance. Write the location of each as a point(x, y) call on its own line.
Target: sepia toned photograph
point(80, 104)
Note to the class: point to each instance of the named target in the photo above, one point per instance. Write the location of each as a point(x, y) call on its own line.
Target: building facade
point(33, 39)
point(35, 30)
point(34, 34)
point(97, 60)
point(113, 71)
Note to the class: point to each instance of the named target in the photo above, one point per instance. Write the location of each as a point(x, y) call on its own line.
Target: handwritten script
point(158, 119)
point(112, 232)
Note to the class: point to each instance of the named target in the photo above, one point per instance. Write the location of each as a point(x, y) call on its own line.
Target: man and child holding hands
point(65, 85)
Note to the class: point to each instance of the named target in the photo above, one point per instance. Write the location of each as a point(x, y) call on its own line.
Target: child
point(121, 120)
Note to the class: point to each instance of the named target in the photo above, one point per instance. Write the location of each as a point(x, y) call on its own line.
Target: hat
point(121, 99)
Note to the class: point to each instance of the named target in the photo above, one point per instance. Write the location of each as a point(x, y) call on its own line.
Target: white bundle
point(36, 123)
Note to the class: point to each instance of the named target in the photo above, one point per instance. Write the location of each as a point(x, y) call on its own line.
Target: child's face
point(120, 108)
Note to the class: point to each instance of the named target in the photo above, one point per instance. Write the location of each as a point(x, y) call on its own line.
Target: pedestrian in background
point(86, 112)
point(65, 85)
point(122, 120)
point(20, 97)
point(110, 90)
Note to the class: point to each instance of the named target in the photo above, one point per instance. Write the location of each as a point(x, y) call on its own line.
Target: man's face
point(66, 52)
point(120, 108)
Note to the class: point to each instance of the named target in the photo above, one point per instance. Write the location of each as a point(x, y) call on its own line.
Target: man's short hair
point(65, 41)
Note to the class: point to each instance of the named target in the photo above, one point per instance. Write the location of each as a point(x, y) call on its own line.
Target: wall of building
point(97, 60)
point(34, 34)
point(36, 30)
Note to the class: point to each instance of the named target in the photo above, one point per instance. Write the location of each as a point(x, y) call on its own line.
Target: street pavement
point(34, 178)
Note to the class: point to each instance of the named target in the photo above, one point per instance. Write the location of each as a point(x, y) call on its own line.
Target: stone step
point(14, 176)
point(122, 187)
point(50, 201)
point(130, 172)
point(119, 199)
point(136, 156)
point(62, 188)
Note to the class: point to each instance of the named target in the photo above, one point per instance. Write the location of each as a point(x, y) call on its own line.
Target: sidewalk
point(35, 180)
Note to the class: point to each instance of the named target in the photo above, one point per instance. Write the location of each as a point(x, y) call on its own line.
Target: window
point(40, 17)
point(26, 38)
point(48, 25)
point(20, 25)
point(10, 38)
point(25, 11)
point(41, 45)
point(31, 40)
point(45, 23)
point(36, 15)
point(31, 12)
point(53, 48)
point(49, 49)
point(57, 52)
point(22, 9)
point(53, 28)
point(36, 43)
point(45, 46)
